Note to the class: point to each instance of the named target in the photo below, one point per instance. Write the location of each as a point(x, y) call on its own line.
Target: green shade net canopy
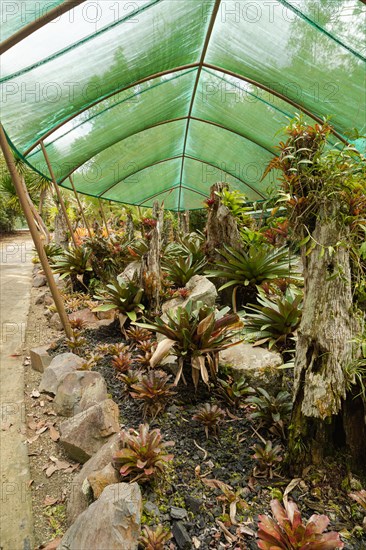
point(159, 99)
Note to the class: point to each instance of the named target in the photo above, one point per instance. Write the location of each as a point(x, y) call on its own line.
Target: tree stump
point(221, 227)
point(151, 263)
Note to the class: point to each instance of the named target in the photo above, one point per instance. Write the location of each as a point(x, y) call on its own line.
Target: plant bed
point(186, 494)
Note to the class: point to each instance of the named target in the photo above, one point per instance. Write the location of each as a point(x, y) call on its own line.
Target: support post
point(37, 239)
point(80, 207)
point(103, 216)
point(58, 193)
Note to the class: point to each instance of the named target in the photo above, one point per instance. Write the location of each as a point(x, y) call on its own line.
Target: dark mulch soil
point(227, 458)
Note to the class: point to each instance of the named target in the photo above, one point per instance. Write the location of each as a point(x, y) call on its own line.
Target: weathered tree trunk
point(184, 216)
point(324, 348)
point(130, 230)
point(168, 234)
point(151, 265)
point(221, 227)
point(60, 234)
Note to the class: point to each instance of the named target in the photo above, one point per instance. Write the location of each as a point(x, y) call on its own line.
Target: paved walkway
point(16, 530)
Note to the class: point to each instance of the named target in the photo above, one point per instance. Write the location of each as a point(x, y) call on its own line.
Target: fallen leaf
point(52, 545)
point(54, 434)
point(41, 430)
point(51, 470)
point(289, 488)
point(30, 482)
point(32, 425)
point(35, 394)
point(50, 413)
point(32, 439)
point(50, 501)
point(196, 542)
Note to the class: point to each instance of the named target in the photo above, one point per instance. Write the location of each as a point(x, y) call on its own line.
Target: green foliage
point(155, 539)
point(154, 390)
point(187, 245)
point(76, 342)
point(195, 336)
point(234, 391)
point(274, 319)
point(359, 497)
point(268, 457)
point(236, 202)
point(210, 416)
point(74, 263)
point(181, 270)
point(272, 410)
point(253, 267)
point(53, 251)
point(356, 370)
point(143, 454)
point(108, 256)
point(124, 296)
point(288, 532)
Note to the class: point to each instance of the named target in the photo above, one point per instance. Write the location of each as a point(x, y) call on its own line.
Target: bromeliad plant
point(250, 268)
point(155, 539)
point(272, 410)
point(268, 457)
point(125, 297)
point(74, 263)
point(155, 391)
point(143, 455)
point(195, 336)
point(288, 532)
point(122, 362)
point(234, 391)
point(210, 416)
point(274, 320)
point(181, 270)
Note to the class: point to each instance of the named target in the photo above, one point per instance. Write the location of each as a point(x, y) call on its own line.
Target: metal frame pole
point(24, 199)
point(80, 207)
point(58, 193)
point(104, 218)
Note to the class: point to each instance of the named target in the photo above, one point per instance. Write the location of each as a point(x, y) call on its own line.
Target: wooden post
point(80, 207)
point(103, 216)
point(58, 193)
point(37, 239)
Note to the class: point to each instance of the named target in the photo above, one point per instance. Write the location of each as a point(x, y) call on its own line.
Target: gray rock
point(110, 523)
point(178, 513)
point(85, 433)
point(201, 290)
point(59, 366)
point(39, 280)
point(194, 504)
point(258, 365)
point(79, 390)
point(181, 536)
point(40, 299)
point(151, 509)
point(80, 497)
point(55, 322)
point(40, 359)
point(131, 272)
